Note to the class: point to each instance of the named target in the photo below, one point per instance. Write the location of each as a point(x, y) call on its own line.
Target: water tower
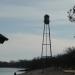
point(46, 42)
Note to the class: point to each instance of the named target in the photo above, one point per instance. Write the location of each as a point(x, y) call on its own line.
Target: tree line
point(66, 60)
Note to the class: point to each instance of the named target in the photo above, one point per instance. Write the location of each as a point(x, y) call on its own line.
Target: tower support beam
point(46, 42)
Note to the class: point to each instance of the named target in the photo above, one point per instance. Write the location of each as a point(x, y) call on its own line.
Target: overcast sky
point(22, 22)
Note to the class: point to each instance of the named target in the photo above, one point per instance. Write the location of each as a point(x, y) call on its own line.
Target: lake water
point(8, 71)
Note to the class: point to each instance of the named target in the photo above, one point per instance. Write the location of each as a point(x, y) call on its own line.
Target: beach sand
point(48, 71)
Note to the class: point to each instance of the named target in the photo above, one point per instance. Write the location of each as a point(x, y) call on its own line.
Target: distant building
point(3, 39)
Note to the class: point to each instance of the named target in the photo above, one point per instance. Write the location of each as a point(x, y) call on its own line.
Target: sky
point(22, 22)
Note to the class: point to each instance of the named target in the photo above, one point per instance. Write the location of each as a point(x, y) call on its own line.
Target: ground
point(48, 71)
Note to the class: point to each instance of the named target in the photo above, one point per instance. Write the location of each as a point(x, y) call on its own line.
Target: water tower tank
point(46, 19)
